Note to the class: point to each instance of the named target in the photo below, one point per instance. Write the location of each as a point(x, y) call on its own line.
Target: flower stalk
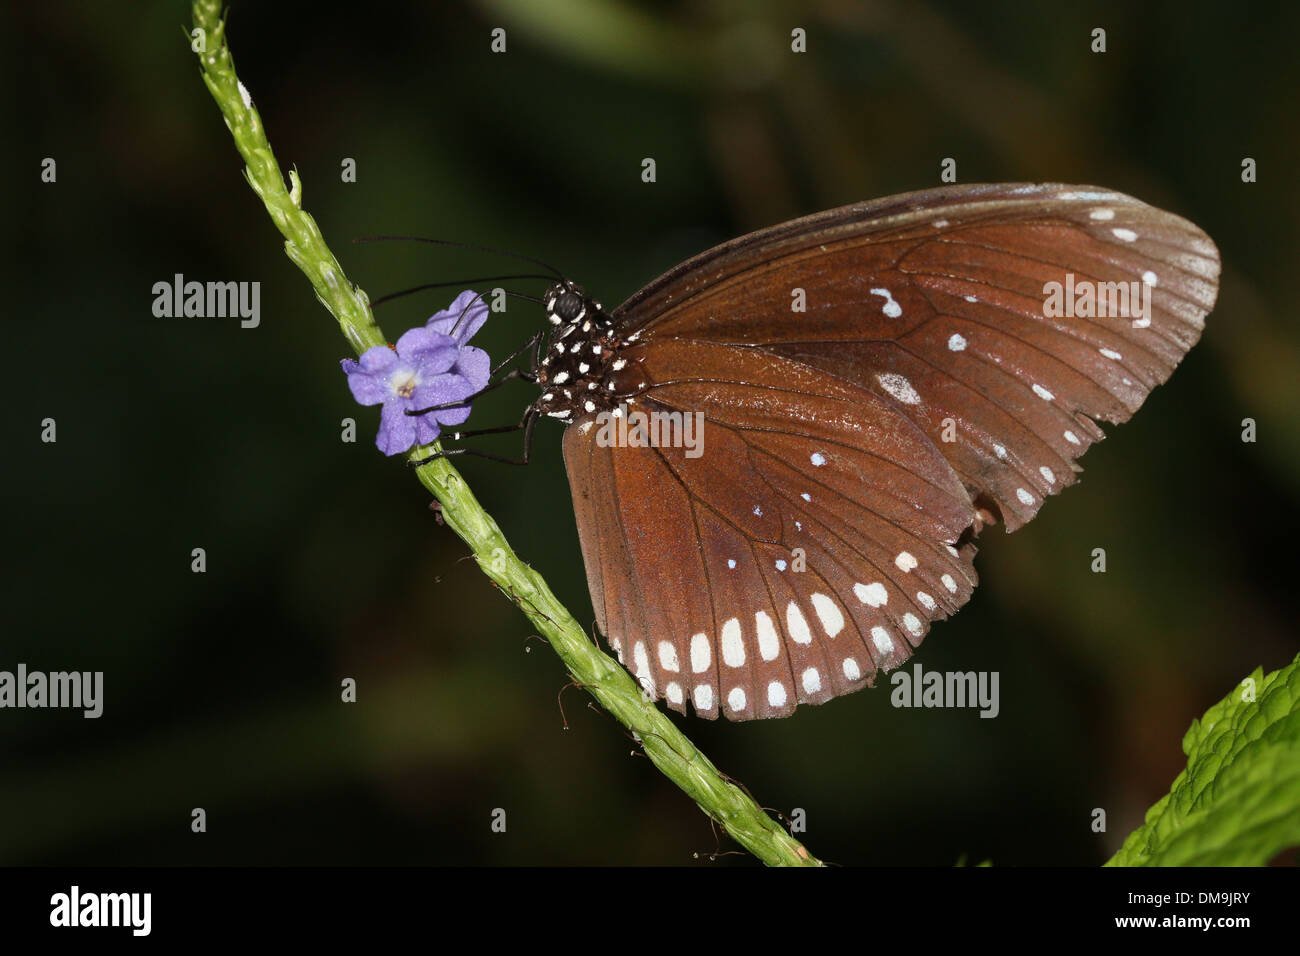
point(601, 676)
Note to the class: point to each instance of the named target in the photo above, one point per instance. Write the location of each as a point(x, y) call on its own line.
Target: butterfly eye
point(568, 306)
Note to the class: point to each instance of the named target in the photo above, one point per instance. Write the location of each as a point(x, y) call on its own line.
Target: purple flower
point(461, 320)
point(428, 366)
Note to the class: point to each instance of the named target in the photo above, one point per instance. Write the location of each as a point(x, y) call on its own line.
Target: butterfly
point(873, 386)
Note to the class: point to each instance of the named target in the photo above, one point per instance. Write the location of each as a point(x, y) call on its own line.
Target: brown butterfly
point(877, 383)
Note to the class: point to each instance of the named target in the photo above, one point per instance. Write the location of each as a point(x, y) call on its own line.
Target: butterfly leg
point(510, 376)
point(526, 425)
point(513, 374)
point(535, 343)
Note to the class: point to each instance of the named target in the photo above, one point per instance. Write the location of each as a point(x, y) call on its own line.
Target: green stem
point(675, 756)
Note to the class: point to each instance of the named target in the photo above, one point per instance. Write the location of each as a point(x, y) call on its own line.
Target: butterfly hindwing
point(771, 568)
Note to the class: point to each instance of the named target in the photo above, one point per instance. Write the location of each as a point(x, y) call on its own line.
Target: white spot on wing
point(872, 595)
point(1025, 497)
point(769, 642)
point(1085, 195)
point(733, 649)
point(642, 669)
point(1048, 475)
point(736, 699)
point(884, 643)
point(1111, 354)
point(956, 343)
point(797, 624)
point(890, 308)
point(899, 387)
point(818, 459)
point(905, 561)
point(913, 624)
point(812, 681)
point(1043, 393)
point(673, 692)
point(1072, 438)
point(927, 602)
point(701, 656)
point(949, 583)
point(827, 612)
point(1125, 235)
point(668, 656)
point(776, 694)
point(704, 697)
point(1101, 215)
point(851, 669)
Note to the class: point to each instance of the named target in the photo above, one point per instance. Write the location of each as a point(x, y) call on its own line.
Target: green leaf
point(1238, 801)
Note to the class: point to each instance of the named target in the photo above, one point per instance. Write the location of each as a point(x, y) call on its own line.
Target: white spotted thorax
point(580, 372)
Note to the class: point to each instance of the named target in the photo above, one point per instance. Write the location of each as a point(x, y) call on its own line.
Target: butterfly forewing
point(853, 448)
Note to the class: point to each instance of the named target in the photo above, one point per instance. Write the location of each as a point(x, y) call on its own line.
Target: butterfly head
point(567, 303)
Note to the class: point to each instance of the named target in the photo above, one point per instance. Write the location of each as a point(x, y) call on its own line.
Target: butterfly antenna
point(479, 298)
point(465, 311)
point(555, 273)
point(460, 282)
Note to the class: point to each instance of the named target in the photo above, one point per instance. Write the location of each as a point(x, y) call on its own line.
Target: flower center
point(405, 387)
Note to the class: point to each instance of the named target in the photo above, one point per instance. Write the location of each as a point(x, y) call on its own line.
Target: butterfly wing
point(936, 302)
point(726, 575)
point(853, 449)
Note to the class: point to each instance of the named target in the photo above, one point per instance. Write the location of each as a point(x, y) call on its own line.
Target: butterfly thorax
point(581, 371)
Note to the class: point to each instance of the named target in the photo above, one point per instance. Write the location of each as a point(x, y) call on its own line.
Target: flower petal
point(475, 365)
point(462, 318)
point(442, 390)
point(377, 357)
point(452, 388)
point(452, 416)
point(426, 429)
point(368, 379)
point(396, 429)
point(428, 349)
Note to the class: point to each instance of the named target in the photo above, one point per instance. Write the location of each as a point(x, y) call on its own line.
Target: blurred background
point(323, 560)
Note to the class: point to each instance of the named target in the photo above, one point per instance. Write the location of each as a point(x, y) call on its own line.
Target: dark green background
point(323, 560)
